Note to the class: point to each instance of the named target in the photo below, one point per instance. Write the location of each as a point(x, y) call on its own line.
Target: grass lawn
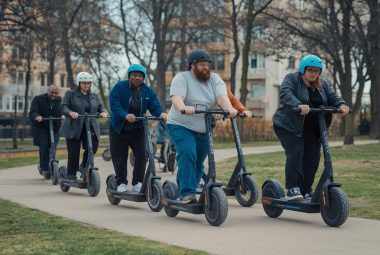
point(357, 168)
point(29, 231)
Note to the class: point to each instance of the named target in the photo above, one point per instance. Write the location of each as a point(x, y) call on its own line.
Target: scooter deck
point(194, 208)
point(75, 183)
point(129, 195)
point(302, 205)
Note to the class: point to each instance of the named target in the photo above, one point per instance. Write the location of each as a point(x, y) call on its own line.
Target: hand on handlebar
point(248, 114)
point(164, 116)
point(233, 113)
point(38, 118)
point(74, 115)
point(130, 117)
point(345, 109)
point(188, 110)
point(305, 109)
point(104, 115)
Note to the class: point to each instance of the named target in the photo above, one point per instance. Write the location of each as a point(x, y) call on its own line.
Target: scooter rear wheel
point(171, 192)
point(62, 173)
point(270, 190)
point(154, 201)
point(217, 214)
point(111, 184)
point(54, 173)
point(251, 194)
point(93, 186)
point(339, 208)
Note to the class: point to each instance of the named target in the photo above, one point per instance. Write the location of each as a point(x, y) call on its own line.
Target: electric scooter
point(241, 184)
point(328, 198)
point(151, 189)
point(212, 201)
point(91, 177)
point(53, 162)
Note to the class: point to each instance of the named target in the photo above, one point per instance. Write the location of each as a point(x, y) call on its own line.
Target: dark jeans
point(44, 146)
point(73, 150)
point(119, 144)
point(302, 157)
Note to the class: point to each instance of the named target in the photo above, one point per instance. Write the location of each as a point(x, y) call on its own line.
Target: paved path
point(245, 231)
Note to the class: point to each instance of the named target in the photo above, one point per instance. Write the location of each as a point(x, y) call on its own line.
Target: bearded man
point(196, 86)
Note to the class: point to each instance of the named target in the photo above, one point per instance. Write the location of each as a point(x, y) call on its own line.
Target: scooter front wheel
point(337, 214)
point(62, 173)
point(272, 191)
point(154, 196)
point(112, 185)
point(54, 172)
point(218, 211)
point(171, 192)
point(251, 194)
point(93, 187)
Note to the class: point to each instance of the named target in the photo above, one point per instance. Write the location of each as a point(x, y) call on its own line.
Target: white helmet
point(83, 76)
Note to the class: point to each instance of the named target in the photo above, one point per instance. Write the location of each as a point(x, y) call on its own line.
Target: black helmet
point(199, 56)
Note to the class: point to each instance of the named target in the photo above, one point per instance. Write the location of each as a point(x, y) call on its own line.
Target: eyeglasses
point(313, 70)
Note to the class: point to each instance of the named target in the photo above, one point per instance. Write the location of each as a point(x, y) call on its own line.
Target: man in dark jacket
point(130, 99)
point(43, 106)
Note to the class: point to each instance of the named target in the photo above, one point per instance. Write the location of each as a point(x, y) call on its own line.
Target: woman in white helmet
point(80, 101)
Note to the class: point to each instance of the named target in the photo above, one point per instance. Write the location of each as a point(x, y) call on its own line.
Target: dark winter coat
point(41, 107)
point(73, 101)
point(293, 92)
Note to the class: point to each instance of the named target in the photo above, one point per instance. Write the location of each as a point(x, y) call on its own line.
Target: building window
point(257, 61)
point(217, 62)
point(260, 32)
point(63, 80)
point(42, 79)
point(21, 80)
point(292, 62)
point(257, 90)
point(1, 103)
point(13, 75)
point(20, 103)
point(8, 103)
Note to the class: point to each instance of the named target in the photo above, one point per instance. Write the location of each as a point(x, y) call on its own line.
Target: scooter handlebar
point(322, 109)
point(149, 118)
point(210, 111)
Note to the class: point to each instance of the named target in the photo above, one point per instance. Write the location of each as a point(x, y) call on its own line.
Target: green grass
point(29, 231)
point(357, 168)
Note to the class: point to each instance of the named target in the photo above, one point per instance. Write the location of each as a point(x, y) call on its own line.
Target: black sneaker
point(309, 195)
point(294, 194)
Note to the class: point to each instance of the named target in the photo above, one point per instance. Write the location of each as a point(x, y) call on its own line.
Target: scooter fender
point(325, 196)
point(241, 178)
point(150, 181)
point(208, 200)
point(89, 173)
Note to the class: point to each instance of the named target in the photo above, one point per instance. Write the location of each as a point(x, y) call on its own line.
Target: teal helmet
point(310, 60)
point(137, 68)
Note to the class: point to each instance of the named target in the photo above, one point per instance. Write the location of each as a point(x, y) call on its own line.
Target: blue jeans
point(191, 151)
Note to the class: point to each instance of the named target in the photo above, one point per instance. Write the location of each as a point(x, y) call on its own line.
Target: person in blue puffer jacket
point(130, 99)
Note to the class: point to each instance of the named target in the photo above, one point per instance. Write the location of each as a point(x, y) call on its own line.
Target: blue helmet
point(137, 68)
point(310, 60)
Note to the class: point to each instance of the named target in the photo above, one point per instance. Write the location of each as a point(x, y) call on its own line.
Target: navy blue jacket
point(293, 92)
point(120, 97)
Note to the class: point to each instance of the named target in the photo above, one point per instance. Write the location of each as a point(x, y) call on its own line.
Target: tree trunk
point(236, 46)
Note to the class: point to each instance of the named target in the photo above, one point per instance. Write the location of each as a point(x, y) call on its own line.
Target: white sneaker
point(137, 187)
point(122, 187)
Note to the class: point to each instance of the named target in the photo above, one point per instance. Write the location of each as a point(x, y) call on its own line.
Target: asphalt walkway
point(245, 231)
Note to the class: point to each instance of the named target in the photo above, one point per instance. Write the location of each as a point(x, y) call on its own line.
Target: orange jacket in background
point(234, 101)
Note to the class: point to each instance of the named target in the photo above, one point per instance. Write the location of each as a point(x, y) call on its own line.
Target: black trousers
point(43, 137)
point(302, 157)
point(73, 150)
point(120, 144)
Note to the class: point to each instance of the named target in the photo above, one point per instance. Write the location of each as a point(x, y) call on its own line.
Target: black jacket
point(73, 101)
point(293, 92)
point(41, 107)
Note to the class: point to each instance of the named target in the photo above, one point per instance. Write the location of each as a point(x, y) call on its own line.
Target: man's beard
point(203, 76)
